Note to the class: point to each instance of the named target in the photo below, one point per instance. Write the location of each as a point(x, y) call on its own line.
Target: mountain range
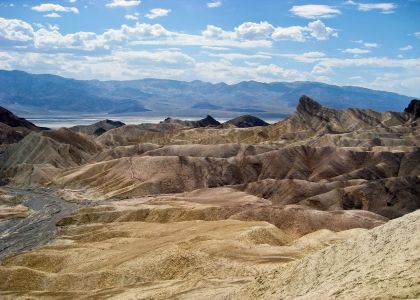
point(30, 94)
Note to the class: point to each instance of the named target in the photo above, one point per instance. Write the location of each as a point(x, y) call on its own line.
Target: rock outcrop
point(413, 108)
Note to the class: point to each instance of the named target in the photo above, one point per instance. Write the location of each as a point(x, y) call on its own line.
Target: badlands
point(321, 205)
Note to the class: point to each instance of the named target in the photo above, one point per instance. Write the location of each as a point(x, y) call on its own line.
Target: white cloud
point(294, 33)
point(384, 7)
point(367, 45)
point(320, 70)
point(312, 11)
point(417, 34)
point(157, 12)
point(371, 45)
point(406, 48)
point(306, 57)
point(134, 16)
point(47, 7)
point(123, 3)
point(318, 30)
point(214, 4)
point(355, 51)
point(215, 48)
point(15, 30)
point(254, 31)
point(170, 59)
point(247, 35)
point(315, 29)
point(52, 15)
point(214, 32)
point(239, 56)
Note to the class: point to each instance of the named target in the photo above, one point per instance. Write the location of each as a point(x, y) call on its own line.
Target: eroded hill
point(195, 209)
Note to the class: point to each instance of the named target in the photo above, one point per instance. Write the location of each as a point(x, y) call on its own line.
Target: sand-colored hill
point(382, 263)
point(141, 258)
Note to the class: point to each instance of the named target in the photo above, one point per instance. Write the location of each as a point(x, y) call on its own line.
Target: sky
point(373, 44)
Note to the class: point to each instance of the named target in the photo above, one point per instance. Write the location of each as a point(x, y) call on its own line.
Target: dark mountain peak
point(308, 105)
point(247, 121)
point(208, 121)
point(10, 119)
point(413, 108)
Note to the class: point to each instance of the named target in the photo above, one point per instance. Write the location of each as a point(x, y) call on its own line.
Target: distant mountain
point(28, 94)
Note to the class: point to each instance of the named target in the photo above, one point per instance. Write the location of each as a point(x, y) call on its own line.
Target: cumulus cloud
point(294, 33)
point(246, 35)
point(214, 32)
point(384, 7)
point(312, 11)
point(316, 29)
point(157, 12)
point(254, 31)
point(123, 3)
point(47, 7)
point(15, 30)
point(214, 4)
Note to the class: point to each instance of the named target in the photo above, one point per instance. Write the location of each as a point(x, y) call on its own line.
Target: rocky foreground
point(321, 205)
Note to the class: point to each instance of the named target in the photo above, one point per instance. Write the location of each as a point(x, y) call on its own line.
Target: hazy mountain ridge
point(24, 92)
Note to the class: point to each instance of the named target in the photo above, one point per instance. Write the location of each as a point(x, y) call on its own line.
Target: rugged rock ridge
point(313, 116)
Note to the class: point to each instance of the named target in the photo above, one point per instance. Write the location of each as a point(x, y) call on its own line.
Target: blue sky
point(374, 44)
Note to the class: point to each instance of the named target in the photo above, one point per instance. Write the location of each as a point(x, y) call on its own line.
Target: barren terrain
point(321, 205)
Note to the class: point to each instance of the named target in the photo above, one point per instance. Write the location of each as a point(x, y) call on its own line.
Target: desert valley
point(315, 206)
